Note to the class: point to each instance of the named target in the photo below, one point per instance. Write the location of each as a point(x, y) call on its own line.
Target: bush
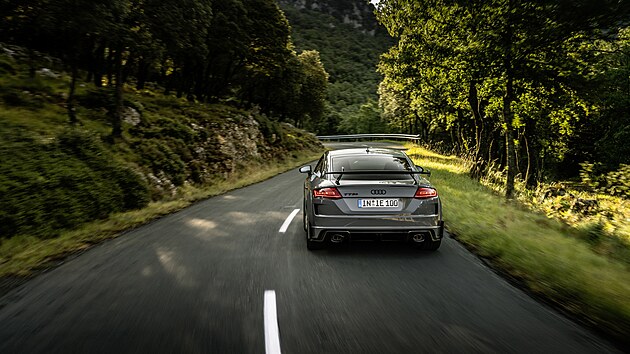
point(162, 158)
point(59, 185)
point(614, 182)
point(618, 182)
point(164, 128)
point(96, 98)
point(271, 130)
point(22, 99)
point(7, 66)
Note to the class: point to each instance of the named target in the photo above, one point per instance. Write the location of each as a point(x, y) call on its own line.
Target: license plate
point(378, 203)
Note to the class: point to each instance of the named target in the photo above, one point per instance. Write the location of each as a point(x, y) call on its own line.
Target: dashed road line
point(287, 222)
point(272, 333)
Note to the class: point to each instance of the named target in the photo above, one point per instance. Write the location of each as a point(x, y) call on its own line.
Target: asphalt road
point(194, 282)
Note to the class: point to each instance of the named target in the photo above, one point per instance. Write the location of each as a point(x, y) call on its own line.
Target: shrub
point(7, 66)
point(271, 130)
point(161, 158)
point(96, 98)
point(164, 127)
point(59, 185)
point(22, 99)
point(618, 182)
point(613, 183)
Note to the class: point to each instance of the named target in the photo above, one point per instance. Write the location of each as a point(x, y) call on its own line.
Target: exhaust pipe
point(337, 237)
point(417, 238)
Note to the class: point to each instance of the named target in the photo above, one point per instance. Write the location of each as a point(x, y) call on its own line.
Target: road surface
point(206, 279)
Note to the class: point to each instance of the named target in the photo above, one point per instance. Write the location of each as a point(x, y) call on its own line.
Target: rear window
point(372, 163)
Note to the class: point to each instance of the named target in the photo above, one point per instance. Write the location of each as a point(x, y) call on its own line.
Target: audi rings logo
point(378, 192)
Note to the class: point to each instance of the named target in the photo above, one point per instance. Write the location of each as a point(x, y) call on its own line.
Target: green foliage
point(202, 50)
point(55, 177)
point(270, 130)
point(161, 157)
point(312, 98)
point(606, 64)
point(600, 218)
point(498, 81)
point(349, 55)
point(32, 93)
point(96, 98)
point(618, 182)
point(7, 66)
point(615, 183)
point(551, 259)
point(366, 120)
point(49, 186)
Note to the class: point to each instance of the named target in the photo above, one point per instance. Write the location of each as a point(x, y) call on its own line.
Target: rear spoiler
point(377, 172)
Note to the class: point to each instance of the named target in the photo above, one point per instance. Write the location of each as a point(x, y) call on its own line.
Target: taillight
point(424, 192)
point(330, 193)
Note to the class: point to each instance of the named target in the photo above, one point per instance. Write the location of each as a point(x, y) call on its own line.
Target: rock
point(131, 116)
point(585, 206)
point(47, 73)
point(8, 51)
point(554, 192)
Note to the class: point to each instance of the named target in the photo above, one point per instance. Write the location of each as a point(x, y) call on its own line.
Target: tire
point(430, 245)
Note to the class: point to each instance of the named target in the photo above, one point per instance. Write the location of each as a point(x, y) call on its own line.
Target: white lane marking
point(287, 222)
point(272, 334)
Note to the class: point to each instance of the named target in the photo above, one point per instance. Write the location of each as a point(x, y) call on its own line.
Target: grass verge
point(546, 256)
point(22, 255)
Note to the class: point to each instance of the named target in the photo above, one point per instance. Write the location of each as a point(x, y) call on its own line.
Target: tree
point(479, 60)
point(312, 99)
point(78, 22)
point(365, 121)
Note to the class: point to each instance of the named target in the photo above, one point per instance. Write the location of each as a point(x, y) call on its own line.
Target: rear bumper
point(434, 231)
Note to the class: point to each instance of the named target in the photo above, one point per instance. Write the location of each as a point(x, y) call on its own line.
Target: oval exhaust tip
point(337, 238)
point(417, 238)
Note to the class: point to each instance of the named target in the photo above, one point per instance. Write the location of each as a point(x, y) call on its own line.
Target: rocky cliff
point(358, 13)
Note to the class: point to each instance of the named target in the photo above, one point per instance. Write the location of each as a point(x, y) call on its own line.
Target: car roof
point(366, 151)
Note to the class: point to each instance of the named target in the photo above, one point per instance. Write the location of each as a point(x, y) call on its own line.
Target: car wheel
point(430, 245)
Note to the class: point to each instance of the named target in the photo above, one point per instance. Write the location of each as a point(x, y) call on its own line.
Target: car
point(370, 194)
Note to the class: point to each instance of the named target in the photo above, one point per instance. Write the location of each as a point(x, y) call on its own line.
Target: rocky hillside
point(359, 14)
point(55, 176)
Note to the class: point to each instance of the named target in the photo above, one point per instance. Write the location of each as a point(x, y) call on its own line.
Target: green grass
point(547, 256)
point(23, 254)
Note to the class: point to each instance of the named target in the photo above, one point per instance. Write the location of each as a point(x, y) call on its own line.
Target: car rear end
point(376, 197)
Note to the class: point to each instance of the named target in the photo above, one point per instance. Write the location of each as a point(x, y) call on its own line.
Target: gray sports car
point(370, 194)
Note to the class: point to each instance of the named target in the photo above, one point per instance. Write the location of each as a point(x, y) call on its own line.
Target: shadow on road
point(379, 249)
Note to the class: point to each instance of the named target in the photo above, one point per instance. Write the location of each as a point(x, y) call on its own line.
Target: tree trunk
point(508, 117)
point(529, 160)
point(72, 114)
point(32, 63)
point(143, 73)
point(110, 66)
point(480, 163)
point(118, 97)
point(508, 98)
point(96, 65)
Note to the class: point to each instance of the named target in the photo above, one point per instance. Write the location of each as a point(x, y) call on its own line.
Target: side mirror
point(306, 169)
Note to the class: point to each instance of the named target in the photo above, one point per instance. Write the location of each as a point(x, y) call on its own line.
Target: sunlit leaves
point(469, 67)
